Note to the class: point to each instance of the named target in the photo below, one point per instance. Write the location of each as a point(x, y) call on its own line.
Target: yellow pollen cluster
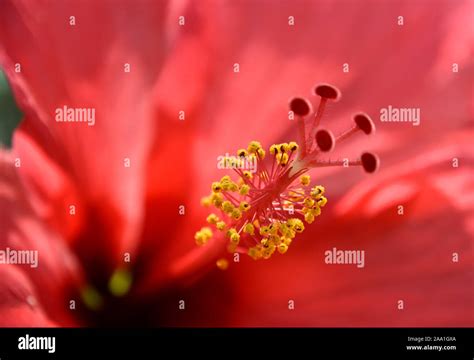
point(282, 152)
point(251, 215)
point(255, 148)
point(314, 203)
point(203, 236)
point(276, 237)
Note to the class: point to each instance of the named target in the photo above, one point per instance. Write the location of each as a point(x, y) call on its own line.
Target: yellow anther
point(282, 248)
point(296, 224)
point(225, 184)
point(244, 189)
point(287, 241)
point(282, 158)
point(273, 149)
point(293, 146)
point(222, 264)
point(268, 252)
point(206, 201)
point(255, 253)
point(264, 230)
point(216, 187)
point(226, 178)
point(274, 239)
point(227, 207)
point(220, 225)
point(217, 199)
point(242, 152)
point(256, 223)
point(212, 219)
point(202, 236)
point(299, 227)
point(317, 192)
point(316, 210)
point(261, 153)
point(207, 232)
point(249, 229)
point(244, 206)
point(248, 174)
point(309, 217)
point(322, 201)
point(235, 238)
point(253, 147)
point(231, 231)
point(236, 214)
point(283, 147)
point(308, 202)
point(305, 180)
point(291, 234)
point(273, 228)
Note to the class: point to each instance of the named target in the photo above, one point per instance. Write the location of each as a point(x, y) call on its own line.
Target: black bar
point(312, 343)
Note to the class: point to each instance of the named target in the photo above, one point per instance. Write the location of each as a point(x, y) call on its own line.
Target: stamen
point(260, 213)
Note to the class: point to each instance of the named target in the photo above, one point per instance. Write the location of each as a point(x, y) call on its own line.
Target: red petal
point(18, 301)
point(57, 272)
point(50, 190)
point(83, 66)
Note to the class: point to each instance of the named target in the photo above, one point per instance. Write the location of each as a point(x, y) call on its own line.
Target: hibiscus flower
point(113, 208)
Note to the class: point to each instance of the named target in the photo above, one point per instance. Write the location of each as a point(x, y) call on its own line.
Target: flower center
point(260, 212)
